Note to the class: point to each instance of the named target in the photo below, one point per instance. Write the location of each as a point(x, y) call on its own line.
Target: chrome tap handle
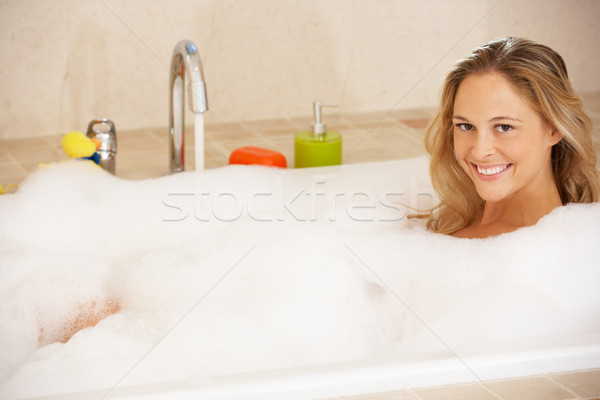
point(97, 129)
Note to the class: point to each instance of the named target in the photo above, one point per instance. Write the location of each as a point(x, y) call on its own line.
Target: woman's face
point(503, 145)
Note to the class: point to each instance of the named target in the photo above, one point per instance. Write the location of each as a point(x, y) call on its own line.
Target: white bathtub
point(347, 379)
point(439, 350)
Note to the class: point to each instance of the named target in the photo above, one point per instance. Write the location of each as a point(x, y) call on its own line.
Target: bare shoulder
point(466, 233)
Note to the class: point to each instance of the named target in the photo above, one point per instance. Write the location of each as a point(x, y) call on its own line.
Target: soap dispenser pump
point(318, 147)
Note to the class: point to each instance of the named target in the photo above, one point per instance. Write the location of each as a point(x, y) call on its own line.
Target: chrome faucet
point(186, 69)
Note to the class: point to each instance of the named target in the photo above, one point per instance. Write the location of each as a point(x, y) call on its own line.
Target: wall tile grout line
point(556, 382)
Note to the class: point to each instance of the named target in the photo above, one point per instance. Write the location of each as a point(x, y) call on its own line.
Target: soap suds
point(246, 268)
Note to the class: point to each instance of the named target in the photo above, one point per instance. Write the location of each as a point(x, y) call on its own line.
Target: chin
point(492, 197)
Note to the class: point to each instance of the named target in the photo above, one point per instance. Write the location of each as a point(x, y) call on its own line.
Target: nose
point(484, 145)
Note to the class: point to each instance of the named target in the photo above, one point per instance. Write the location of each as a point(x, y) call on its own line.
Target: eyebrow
point(459, 117)
point(499, 118)
point(505, 117)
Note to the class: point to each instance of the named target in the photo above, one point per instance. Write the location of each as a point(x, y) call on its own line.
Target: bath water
point(248, 268)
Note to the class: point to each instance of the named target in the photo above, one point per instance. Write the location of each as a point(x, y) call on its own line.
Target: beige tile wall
point(66, 62)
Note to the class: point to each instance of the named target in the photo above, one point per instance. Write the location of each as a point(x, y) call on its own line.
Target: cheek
point(461, 150)
point(461, 147)
point(520, 152)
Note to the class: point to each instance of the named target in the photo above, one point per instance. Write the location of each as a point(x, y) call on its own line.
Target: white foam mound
point(247, 268)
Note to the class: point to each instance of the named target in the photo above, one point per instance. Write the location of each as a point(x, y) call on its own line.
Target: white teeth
point(491, 171)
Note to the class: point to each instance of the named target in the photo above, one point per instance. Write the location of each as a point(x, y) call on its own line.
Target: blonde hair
point(540, 75)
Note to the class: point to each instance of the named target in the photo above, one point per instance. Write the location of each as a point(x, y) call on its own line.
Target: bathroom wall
point(65, 62)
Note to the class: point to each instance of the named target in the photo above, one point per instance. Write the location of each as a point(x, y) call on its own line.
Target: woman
point(510, 142)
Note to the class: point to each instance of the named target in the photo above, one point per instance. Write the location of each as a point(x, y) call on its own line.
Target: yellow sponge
point(77, 145)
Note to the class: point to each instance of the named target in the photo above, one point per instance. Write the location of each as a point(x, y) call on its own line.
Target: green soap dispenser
point(317, 147)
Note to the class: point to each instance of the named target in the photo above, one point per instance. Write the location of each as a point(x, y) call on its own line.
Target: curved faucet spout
point(186, 69)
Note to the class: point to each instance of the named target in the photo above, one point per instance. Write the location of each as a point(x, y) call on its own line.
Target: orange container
point(255, 155)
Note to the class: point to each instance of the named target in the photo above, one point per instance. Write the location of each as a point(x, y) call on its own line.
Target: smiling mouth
point(491, 171)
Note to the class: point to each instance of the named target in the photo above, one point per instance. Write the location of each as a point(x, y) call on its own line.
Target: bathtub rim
point(359, 378)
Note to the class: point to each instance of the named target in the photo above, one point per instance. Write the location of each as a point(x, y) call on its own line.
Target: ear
point(554, 134)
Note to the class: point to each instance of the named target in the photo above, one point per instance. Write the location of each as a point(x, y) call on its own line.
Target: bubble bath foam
point(254, 282)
